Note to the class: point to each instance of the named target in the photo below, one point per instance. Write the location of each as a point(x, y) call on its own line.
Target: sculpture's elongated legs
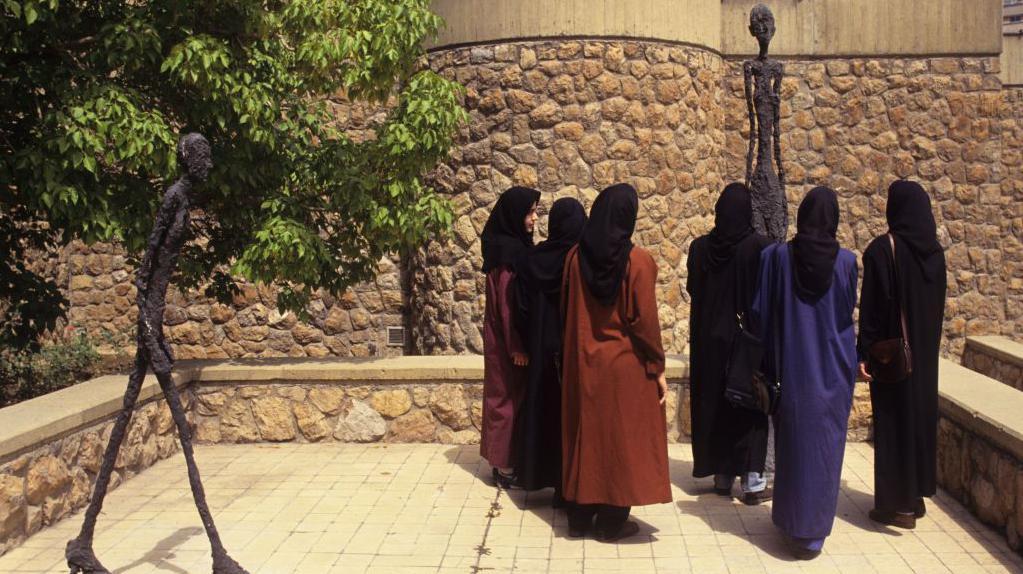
point(222, 563)
point(79, 553)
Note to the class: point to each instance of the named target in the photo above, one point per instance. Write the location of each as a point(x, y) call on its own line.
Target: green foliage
point(25, 374)
point(95, 93)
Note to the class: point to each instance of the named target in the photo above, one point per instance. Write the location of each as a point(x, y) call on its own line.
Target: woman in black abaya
point(538, 295)
point(905, 413)
point(723, 266)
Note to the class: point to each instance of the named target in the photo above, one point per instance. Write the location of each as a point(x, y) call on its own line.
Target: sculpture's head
point(761, 25)
point(194, 154)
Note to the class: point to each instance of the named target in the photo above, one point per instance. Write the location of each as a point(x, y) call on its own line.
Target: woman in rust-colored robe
point(614, 434)
point(507, 235)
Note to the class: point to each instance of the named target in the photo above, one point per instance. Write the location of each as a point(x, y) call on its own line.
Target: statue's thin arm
point(776, 89)
point(747, 78)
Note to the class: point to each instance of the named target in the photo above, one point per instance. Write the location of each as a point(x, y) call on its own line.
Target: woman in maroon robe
point(507, 235)
point(614, 436)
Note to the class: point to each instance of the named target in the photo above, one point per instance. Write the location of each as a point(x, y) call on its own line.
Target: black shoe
point(723, 491)
point(577, 531)
point(627, 529)
point(558, 501)
point(505, 481)
point(896, 519)
point(804, 553)
point(755, 498)
point(921, 509)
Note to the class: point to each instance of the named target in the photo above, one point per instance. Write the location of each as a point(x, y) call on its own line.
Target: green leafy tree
point(95, 94)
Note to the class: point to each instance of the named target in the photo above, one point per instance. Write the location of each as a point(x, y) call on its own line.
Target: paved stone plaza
point(425, 508)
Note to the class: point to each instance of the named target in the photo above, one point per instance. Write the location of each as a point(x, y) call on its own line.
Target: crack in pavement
point(482, 549)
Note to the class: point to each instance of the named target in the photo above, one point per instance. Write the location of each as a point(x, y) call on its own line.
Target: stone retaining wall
point(985, 478)
point(424, 412)
point(56, 477)
point(980, 448)
point(1005, 364)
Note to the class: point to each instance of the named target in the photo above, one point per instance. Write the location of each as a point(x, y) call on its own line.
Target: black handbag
point(891, 360)
point(746, 383)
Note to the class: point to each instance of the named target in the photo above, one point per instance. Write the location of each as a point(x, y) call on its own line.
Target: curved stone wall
point(571, 118)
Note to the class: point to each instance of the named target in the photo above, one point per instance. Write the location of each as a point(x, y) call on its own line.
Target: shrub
point(65, 360)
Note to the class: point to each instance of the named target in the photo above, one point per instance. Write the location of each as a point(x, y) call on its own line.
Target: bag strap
point(564, 283)
point(898, 291)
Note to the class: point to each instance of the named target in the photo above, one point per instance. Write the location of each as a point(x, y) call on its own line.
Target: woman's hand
point(662, 388)
point(520, 359)
point(864, 374)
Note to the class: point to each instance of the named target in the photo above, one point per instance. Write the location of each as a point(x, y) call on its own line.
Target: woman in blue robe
point(805, 303)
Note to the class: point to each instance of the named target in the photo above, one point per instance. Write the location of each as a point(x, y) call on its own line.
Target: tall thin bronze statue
point(762, 83)
point(168, 236)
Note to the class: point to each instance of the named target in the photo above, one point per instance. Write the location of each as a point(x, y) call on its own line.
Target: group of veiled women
point(575, 369)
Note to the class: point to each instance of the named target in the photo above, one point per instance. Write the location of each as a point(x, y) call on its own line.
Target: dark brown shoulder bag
point(891, 360)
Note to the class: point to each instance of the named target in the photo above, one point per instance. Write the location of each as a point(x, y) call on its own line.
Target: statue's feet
point(81, 559)
point(224, 564)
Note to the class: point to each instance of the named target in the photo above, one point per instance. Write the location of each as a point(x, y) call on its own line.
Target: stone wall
point(997, 358)
point(857, 124)
point(52, 480)
point(985, 478)
point(100, 284)
point(422, 412)
point(571, 118)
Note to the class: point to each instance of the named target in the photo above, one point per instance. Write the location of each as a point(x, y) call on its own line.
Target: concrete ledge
point(1001, 348)
point(397, 369)
point(982, 406)
point(52, 416)
point(43, 419)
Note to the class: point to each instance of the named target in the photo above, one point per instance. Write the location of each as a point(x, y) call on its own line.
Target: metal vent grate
point(396, 336)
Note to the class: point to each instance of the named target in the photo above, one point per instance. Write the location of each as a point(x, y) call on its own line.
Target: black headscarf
point(814, 248)
point(733, 222)
point(542, 266)
point(910, 219)
point(607, 241)
point(505, 237)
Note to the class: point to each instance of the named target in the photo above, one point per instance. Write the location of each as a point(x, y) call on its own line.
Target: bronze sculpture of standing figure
point(168, 236)
point(763, 102)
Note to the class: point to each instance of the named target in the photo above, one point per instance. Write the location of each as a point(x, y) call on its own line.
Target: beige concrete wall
point(869, 27)
point(805, 27)
point(478, 21)
point(1012, 60)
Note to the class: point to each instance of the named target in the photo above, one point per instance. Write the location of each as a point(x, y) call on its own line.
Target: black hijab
point(542, 266)
point(607, 241)
point(911, 220)
point(814, 248)
point(505, 237)
point(733, 222)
